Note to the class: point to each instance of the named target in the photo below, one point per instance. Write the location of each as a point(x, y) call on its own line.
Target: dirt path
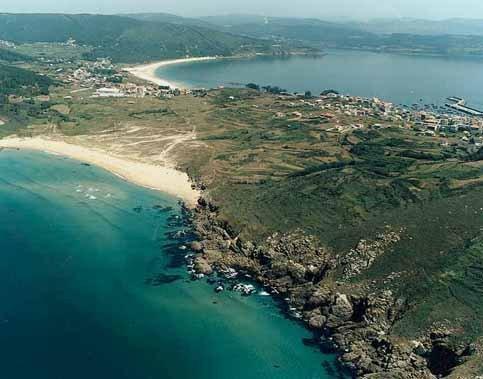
point(164, 157)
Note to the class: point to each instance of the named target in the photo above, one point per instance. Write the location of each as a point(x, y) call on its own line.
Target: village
point(339, 110)
point(109, 81)
point(342, 113)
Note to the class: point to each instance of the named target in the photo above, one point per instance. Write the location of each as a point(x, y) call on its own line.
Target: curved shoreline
point(148, 71)
point(164, 179)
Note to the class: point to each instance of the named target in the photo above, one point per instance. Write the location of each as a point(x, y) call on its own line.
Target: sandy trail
point(164, 156)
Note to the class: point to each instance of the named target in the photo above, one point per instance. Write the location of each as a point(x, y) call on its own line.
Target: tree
point(275, 89)
point(253, 86)
point(329, 92)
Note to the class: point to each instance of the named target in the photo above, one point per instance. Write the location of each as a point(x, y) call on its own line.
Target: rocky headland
point(315, 286)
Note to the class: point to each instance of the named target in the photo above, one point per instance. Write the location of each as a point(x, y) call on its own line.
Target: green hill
point(144, 37)
point(454, 37)
point(455, 26)
point(85, 29)
point(152, 41)
point(305, 29)
point(170, 18)
point(125, 39)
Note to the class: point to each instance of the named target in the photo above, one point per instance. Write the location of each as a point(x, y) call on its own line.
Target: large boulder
point(320, 297)
point(202, 266)
point(296, 271)
point(315, 319)
point(196, 246)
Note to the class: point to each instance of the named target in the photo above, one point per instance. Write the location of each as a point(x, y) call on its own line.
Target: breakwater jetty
point(459, 104)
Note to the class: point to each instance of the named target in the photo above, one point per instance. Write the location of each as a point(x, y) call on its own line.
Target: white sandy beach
point(151, 176)
point(148, 72)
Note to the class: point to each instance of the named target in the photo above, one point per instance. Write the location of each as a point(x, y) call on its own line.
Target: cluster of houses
point(432, 123)
point(136, 90)
point(332, 107)
point(7, 44)
point(426, 122)
point(91, 74)
point(360, 107)
point(350, 106)
point(104, 78)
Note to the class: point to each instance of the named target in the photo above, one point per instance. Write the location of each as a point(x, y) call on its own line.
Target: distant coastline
point(164, 179)
point(148, 71)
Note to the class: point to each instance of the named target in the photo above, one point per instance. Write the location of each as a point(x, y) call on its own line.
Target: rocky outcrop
point(366, 252)
point(316, 319)
point(297, 258)
point(196, 246)
point(341, 308)
point(359, 326)
point(443, 355)
point(356, 320)
point(202, 266)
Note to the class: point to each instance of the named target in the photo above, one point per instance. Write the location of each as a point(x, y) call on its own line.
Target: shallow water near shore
point(401, 79)
point(78, 247)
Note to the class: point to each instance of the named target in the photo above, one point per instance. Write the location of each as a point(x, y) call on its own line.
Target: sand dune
point(147, 175)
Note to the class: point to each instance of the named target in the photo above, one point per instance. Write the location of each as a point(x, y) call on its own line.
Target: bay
point(401, 79)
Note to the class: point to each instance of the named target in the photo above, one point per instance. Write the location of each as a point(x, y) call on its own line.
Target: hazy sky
point(434, 9)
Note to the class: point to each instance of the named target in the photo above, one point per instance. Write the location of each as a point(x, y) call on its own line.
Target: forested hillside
point(154, 41)
point(402, 37)
point(455, 26)
point(125, 39)
point(18, 81)
point(171, 18)
point(12, 56)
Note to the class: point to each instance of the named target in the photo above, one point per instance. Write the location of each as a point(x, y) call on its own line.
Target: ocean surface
point(92, 287)
point(401, 79)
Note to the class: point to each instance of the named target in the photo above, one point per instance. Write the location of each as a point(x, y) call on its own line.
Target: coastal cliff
point(314, 286)
point(365, 227)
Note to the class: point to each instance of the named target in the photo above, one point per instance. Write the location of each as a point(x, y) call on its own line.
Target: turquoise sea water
point(397, 78)
point(77, 245)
